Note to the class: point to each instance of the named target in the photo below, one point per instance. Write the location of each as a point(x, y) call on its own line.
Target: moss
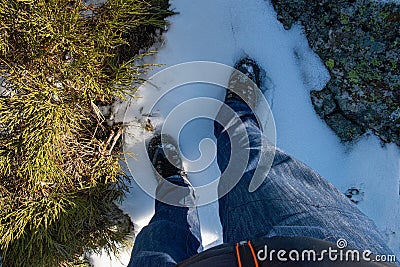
point(330, 63)
point(354, 76)
point(344, 19)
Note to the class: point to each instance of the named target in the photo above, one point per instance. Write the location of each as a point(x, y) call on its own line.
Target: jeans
point(293, 200)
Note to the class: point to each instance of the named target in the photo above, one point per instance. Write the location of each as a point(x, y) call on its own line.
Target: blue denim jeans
point(293, 200)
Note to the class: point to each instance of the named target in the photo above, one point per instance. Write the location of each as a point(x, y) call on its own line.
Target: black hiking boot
point(244, 82)
point(164, 155)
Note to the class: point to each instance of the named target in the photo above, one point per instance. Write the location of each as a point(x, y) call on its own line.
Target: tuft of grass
point(60, 170)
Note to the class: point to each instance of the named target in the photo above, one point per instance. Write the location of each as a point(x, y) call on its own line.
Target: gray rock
point(344, 128)
point(324, 102)
point(359, 41)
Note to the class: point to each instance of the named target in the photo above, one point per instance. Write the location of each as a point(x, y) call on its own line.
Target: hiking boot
point(164, 155)
point(244, 84)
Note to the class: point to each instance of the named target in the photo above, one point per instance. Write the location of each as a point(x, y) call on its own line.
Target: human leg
point(173, 233)
point(293, 200)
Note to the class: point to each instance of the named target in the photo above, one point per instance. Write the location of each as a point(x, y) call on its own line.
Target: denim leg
point(172, 235)
point(293, 200)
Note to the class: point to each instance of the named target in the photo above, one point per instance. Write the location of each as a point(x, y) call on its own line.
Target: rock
point(359, 42)
point(344, 128)
point(355, 194)
point(323, 101)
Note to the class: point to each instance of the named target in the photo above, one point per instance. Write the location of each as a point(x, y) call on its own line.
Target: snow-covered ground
point(224, 31)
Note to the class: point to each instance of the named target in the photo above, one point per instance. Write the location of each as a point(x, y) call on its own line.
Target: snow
point(103, 260)
point(226, 30)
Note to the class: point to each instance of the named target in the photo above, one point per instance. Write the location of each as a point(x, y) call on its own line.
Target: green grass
point(60, 170)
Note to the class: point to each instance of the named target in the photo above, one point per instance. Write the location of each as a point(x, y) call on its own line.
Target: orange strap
point(238, 255)
point(253, 253)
